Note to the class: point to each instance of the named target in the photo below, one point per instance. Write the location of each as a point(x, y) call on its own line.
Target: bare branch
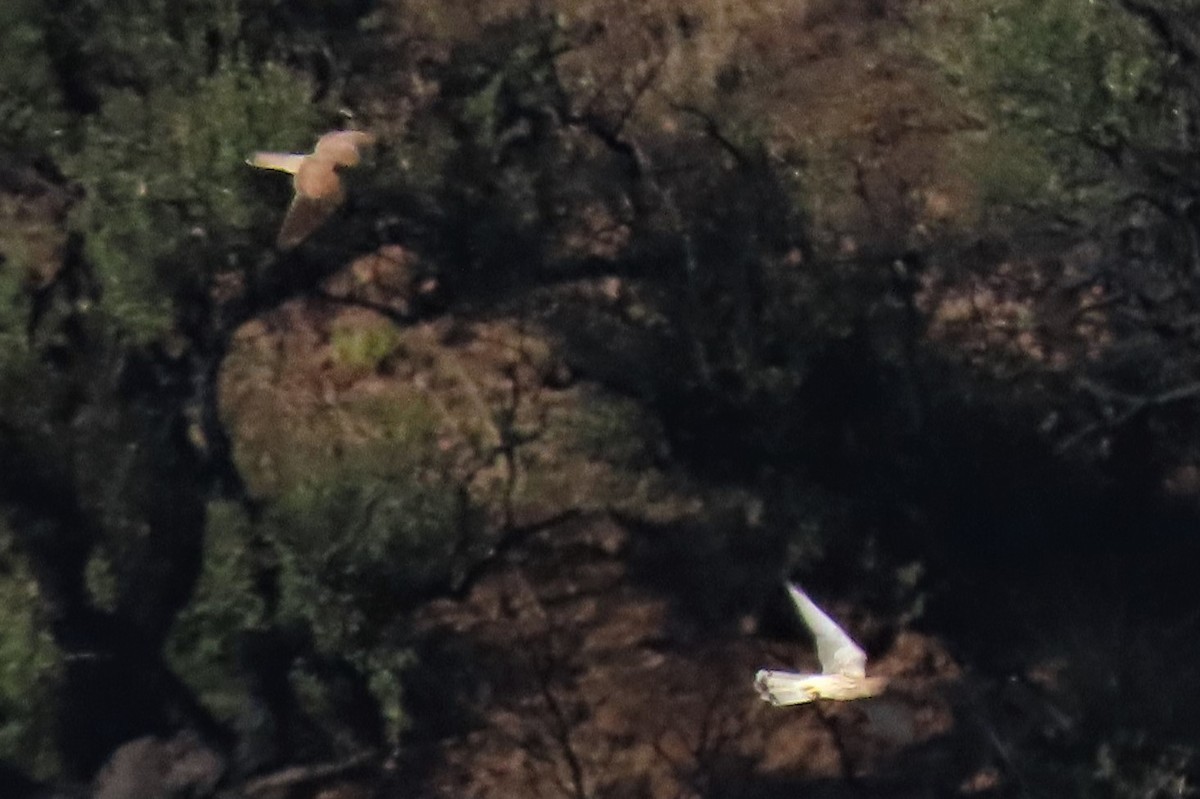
point(1134, 405)
point(299, 775)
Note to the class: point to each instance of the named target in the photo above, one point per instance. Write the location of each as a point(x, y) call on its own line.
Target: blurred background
point(638, 308)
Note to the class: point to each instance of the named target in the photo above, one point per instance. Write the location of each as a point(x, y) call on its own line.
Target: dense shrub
point(1075, 88)
point(140, 114)
point(29, 663)
point(344, 548)
point(361, 542)
point(168, 198)
point(202, 646)
point(31, 113)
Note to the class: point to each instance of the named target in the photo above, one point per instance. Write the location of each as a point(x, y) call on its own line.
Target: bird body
point(791, 688)
point(843, 674)
point(318, 188)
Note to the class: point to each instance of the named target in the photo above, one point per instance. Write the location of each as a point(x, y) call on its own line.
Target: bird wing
point(835, 649)
point(343, 147)
point(318, 194)
point(284, 162)
point(318, 188)
point(784, 687)
point(304, 216)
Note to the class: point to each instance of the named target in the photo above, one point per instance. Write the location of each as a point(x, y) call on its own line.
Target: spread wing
point(318, 194)
point(304, 216)
point(318, 188)
point(835, 649)
point(284, 162)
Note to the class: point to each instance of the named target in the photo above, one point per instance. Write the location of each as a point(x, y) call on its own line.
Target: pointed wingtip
point(761, 686)
point(810, 613)
point(281, 162)
point(797, 593)
point(836, 650)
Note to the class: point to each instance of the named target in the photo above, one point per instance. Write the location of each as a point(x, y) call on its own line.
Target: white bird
point(318, 187)
point(843, 664)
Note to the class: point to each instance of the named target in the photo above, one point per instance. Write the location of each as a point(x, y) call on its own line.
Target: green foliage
point(30, 103)
point(383, 667)
point(201, 646)
point(100, 581)
point(408, 424)
point(354, 540)
point(508, 71)
point(167, 192)
point(1068, 66)
point(136, 44)
point(17, 364)
point(355, 536)
point(357, 544)
point(615, 430)
point(1068, 80)
point(489, 152)
point(167, 100)
point(364, 348)
point(29, 664)
point(357, 541)
point(151, 107)
point(1009, 170)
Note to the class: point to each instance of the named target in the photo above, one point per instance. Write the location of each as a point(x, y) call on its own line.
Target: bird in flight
point(318, 187)
point(843, 664)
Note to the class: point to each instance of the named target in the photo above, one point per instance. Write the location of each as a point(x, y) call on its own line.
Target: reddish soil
point(557, 676)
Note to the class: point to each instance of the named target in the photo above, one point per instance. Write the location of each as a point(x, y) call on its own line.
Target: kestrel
point(843, 664)
point(318, 187)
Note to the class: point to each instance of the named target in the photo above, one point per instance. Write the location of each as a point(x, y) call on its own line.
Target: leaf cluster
point(29, 664)
point(1069, 84)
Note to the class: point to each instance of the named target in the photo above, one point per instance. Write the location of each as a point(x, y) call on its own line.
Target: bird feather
point(283, 162)
point(835, 649)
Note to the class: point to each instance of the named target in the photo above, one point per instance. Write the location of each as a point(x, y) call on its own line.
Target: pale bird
point(843, 664)
point(318, 188)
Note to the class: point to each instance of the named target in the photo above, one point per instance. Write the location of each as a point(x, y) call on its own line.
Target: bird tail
point(785, 687)
point(284, 162)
